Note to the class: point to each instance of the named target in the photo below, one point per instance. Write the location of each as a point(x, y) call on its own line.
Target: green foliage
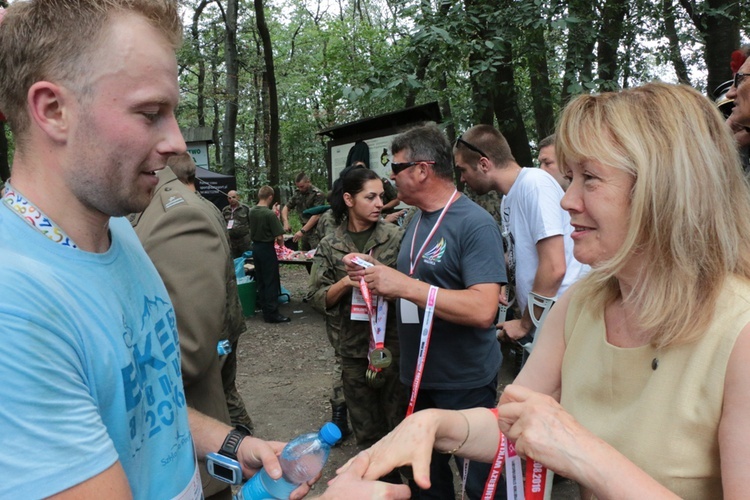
point(344, 61)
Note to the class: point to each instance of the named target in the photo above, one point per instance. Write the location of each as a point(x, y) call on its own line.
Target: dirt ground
point(284, 375)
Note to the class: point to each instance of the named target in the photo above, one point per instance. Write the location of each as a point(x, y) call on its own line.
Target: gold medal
point(381, 358)
point(375, 379)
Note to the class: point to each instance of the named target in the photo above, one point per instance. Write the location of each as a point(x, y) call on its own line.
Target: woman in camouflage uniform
point(356, 201)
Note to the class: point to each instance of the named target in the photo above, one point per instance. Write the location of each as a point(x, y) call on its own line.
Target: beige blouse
point(661, 409)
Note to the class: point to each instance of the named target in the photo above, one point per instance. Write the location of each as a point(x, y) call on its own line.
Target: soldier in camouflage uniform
point(236, 217)
point(307, 196)
point(373, 411)
point(327, 225)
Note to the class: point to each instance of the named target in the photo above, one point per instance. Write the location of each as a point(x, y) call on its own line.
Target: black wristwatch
point(303, 231)
point(224, 465)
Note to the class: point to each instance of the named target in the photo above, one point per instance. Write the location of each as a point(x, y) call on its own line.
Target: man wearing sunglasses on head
point(536, 228)
point(452, 244)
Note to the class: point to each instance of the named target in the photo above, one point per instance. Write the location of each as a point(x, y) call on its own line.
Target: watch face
point(224, 468)
point(224, 473)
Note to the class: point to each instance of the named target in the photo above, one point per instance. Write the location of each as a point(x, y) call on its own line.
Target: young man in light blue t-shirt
point(92, 397)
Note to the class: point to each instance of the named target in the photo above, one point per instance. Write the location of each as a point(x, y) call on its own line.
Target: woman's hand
point(410, 443)
point(352, 484)
point(541, 429)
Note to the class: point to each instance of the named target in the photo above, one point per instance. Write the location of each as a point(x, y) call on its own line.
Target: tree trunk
point(610, 34)
point(536, 57)
point(581, 39)
point(215, 84)
point(722, 37)
point(231, 60)
point(273, 102)
point(719, 25)
point(201, 104)
point(507, 111)
point(674, 43)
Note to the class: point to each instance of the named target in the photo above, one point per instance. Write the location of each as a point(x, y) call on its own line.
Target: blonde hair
point(53, 40)
point(265, 192)
point(689, 220)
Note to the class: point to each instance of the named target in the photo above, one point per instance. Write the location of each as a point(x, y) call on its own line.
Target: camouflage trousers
point(337, 385)
point(372, 412)
point(240, 245)
point(237, 412)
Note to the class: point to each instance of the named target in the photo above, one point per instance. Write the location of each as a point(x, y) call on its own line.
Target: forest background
point(267, 75)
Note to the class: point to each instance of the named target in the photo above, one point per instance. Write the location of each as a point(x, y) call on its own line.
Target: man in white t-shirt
point(536, 228)
point(548, 161)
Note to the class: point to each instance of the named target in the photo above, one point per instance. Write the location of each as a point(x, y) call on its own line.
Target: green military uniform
point(327, 225)
point(302, 201)
point(239, 229)
point(373, 412)
point(186, 240)
point(234, 322)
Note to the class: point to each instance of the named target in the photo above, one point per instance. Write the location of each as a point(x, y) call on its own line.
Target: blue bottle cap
point(330, 433)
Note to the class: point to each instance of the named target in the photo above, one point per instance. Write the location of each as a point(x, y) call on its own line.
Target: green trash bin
point(248, 292)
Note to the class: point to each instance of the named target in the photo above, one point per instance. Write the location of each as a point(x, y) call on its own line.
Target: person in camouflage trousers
point(356, 201)
point(307, 196)
point(236, 217)
point(327, 225)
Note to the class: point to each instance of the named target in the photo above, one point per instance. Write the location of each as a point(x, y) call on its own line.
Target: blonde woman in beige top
point(639, 386)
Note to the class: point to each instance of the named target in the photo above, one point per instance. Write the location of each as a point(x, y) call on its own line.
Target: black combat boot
point(339, 417)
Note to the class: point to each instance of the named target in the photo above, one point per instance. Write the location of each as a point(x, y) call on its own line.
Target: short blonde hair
point(52, 40)
point(689, 221)
point(265, 192)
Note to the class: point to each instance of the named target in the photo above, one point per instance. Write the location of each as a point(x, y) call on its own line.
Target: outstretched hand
point(351, 483)
point(410, 443)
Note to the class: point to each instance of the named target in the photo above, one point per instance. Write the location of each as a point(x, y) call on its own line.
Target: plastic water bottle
point(301, 460)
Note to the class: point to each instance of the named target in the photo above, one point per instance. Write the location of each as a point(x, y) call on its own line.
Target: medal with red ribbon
point(377, 311)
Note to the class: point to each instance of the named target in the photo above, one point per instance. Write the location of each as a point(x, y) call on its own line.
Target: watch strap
point(232, 441)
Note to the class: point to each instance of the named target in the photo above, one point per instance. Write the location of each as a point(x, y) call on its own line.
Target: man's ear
point(49, 108)
point(484, 164)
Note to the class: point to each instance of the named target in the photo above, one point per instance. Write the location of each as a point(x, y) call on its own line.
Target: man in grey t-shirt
point(453, 244)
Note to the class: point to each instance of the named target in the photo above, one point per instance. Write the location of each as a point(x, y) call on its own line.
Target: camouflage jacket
point(241, 225)
point(301, 202)
point(327, 269)
point(326, 225)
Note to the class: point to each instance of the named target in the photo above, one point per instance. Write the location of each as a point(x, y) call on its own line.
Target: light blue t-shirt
point(89, 367)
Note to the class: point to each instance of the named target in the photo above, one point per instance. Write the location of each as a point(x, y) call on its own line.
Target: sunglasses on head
point(470, 146)
point(397, 168)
